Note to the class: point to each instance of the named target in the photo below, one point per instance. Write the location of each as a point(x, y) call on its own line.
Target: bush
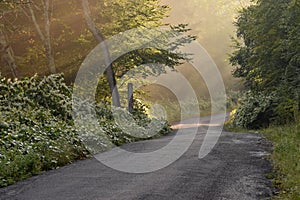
point(140, 124)
point(37, 132)
point(254, 111)
point(259, 110)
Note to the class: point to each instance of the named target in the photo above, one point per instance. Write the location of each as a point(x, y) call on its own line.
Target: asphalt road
point(235, 169)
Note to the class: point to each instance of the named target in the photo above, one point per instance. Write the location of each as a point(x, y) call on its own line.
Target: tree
point(6, 51)
point(267, 54)
point(111, 17)
point(44, 35)
point(268, 57)
point(45, 31)
point(100, 38)
point(7, 54)
point(41, 37)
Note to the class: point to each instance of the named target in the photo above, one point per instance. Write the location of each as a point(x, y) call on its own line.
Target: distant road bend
point(234, 170)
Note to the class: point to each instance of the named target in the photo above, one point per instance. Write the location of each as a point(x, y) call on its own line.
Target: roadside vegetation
point(267, 59)
point(286, 159)
point(37, 132)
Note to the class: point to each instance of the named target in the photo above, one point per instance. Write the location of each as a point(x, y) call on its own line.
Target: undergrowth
point(37, 132)
point(286, 159)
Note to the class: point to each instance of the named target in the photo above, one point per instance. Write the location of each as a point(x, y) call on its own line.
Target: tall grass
point(286, 159)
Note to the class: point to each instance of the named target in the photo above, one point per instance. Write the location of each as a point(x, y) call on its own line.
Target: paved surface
point(235, 169)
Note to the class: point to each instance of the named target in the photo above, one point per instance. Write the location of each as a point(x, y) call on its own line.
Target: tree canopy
point(46, 39)
point(267, 55)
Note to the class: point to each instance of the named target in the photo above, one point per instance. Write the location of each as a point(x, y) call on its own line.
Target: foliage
point(117, 16)
point(141, 120)
point(255, 112)
point(267, 59)
point(37, 132)
point(70, 43)
point(232, 98)
point(259, 110)
point(286, 160)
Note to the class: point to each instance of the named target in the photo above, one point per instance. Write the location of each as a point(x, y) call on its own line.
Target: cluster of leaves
point(259, 110)
point(139, 123)
point(268, 61)
point(37, 132)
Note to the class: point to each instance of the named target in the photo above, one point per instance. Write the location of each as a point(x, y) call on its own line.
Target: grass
point(286, 160)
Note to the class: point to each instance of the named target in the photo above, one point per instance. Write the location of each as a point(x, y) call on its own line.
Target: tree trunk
point(130, 97)
point(7, 55)
point(46, 39)
point(100, 38)
point(51, 62)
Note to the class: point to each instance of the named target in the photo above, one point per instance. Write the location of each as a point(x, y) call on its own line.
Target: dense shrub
point(37, 132)
point(259, 110)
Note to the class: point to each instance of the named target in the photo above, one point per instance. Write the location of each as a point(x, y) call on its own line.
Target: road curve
point(235, 170)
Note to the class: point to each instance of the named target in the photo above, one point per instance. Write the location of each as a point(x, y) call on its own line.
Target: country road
point(234, 170)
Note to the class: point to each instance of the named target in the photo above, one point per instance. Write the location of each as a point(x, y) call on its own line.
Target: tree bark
point(51, 62)
point(7, 55)
point(101, 39)
point(46, 38)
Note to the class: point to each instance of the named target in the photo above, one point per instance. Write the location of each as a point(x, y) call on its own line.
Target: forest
point(255, 45)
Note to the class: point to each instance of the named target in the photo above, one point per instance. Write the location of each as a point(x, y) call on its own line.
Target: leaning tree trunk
point(7, 55)
point(100, 38)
